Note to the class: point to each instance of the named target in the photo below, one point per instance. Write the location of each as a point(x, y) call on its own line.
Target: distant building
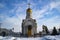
point(6, 32)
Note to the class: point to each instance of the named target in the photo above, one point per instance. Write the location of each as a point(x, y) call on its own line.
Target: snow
point(57, 37)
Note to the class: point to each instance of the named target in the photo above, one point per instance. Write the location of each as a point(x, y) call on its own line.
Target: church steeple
point(29, 12)
point(29, 25)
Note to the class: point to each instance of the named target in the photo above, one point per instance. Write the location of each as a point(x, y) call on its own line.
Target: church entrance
point(29, 30)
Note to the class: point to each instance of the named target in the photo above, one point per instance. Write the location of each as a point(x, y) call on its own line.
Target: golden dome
point(29, 10)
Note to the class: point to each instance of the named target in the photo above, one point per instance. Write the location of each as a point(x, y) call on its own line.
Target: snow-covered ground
point(31, 38)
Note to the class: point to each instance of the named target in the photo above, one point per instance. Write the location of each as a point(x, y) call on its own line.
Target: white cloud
point(54, 21)
point(39, 13)
point(54, 5)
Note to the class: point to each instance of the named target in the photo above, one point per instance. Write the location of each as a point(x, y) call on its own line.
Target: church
point(29, 25)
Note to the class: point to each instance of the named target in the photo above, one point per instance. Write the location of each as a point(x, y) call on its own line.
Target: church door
point(29, 30)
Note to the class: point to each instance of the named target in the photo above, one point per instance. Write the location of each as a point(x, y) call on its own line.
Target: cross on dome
point(29, 5)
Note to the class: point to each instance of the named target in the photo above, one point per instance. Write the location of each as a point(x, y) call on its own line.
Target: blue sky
point(46, 12)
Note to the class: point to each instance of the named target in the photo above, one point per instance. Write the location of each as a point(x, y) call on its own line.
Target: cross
point(29, 5)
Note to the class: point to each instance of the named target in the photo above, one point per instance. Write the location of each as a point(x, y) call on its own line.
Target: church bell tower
point(29, 25)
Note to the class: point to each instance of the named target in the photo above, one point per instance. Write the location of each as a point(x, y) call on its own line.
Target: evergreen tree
point(54, 32)
point(59, 30)
point(45, 29)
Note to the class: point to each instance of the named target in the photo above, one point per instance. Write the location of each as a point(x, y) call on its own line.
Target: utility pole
point(0, 26)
